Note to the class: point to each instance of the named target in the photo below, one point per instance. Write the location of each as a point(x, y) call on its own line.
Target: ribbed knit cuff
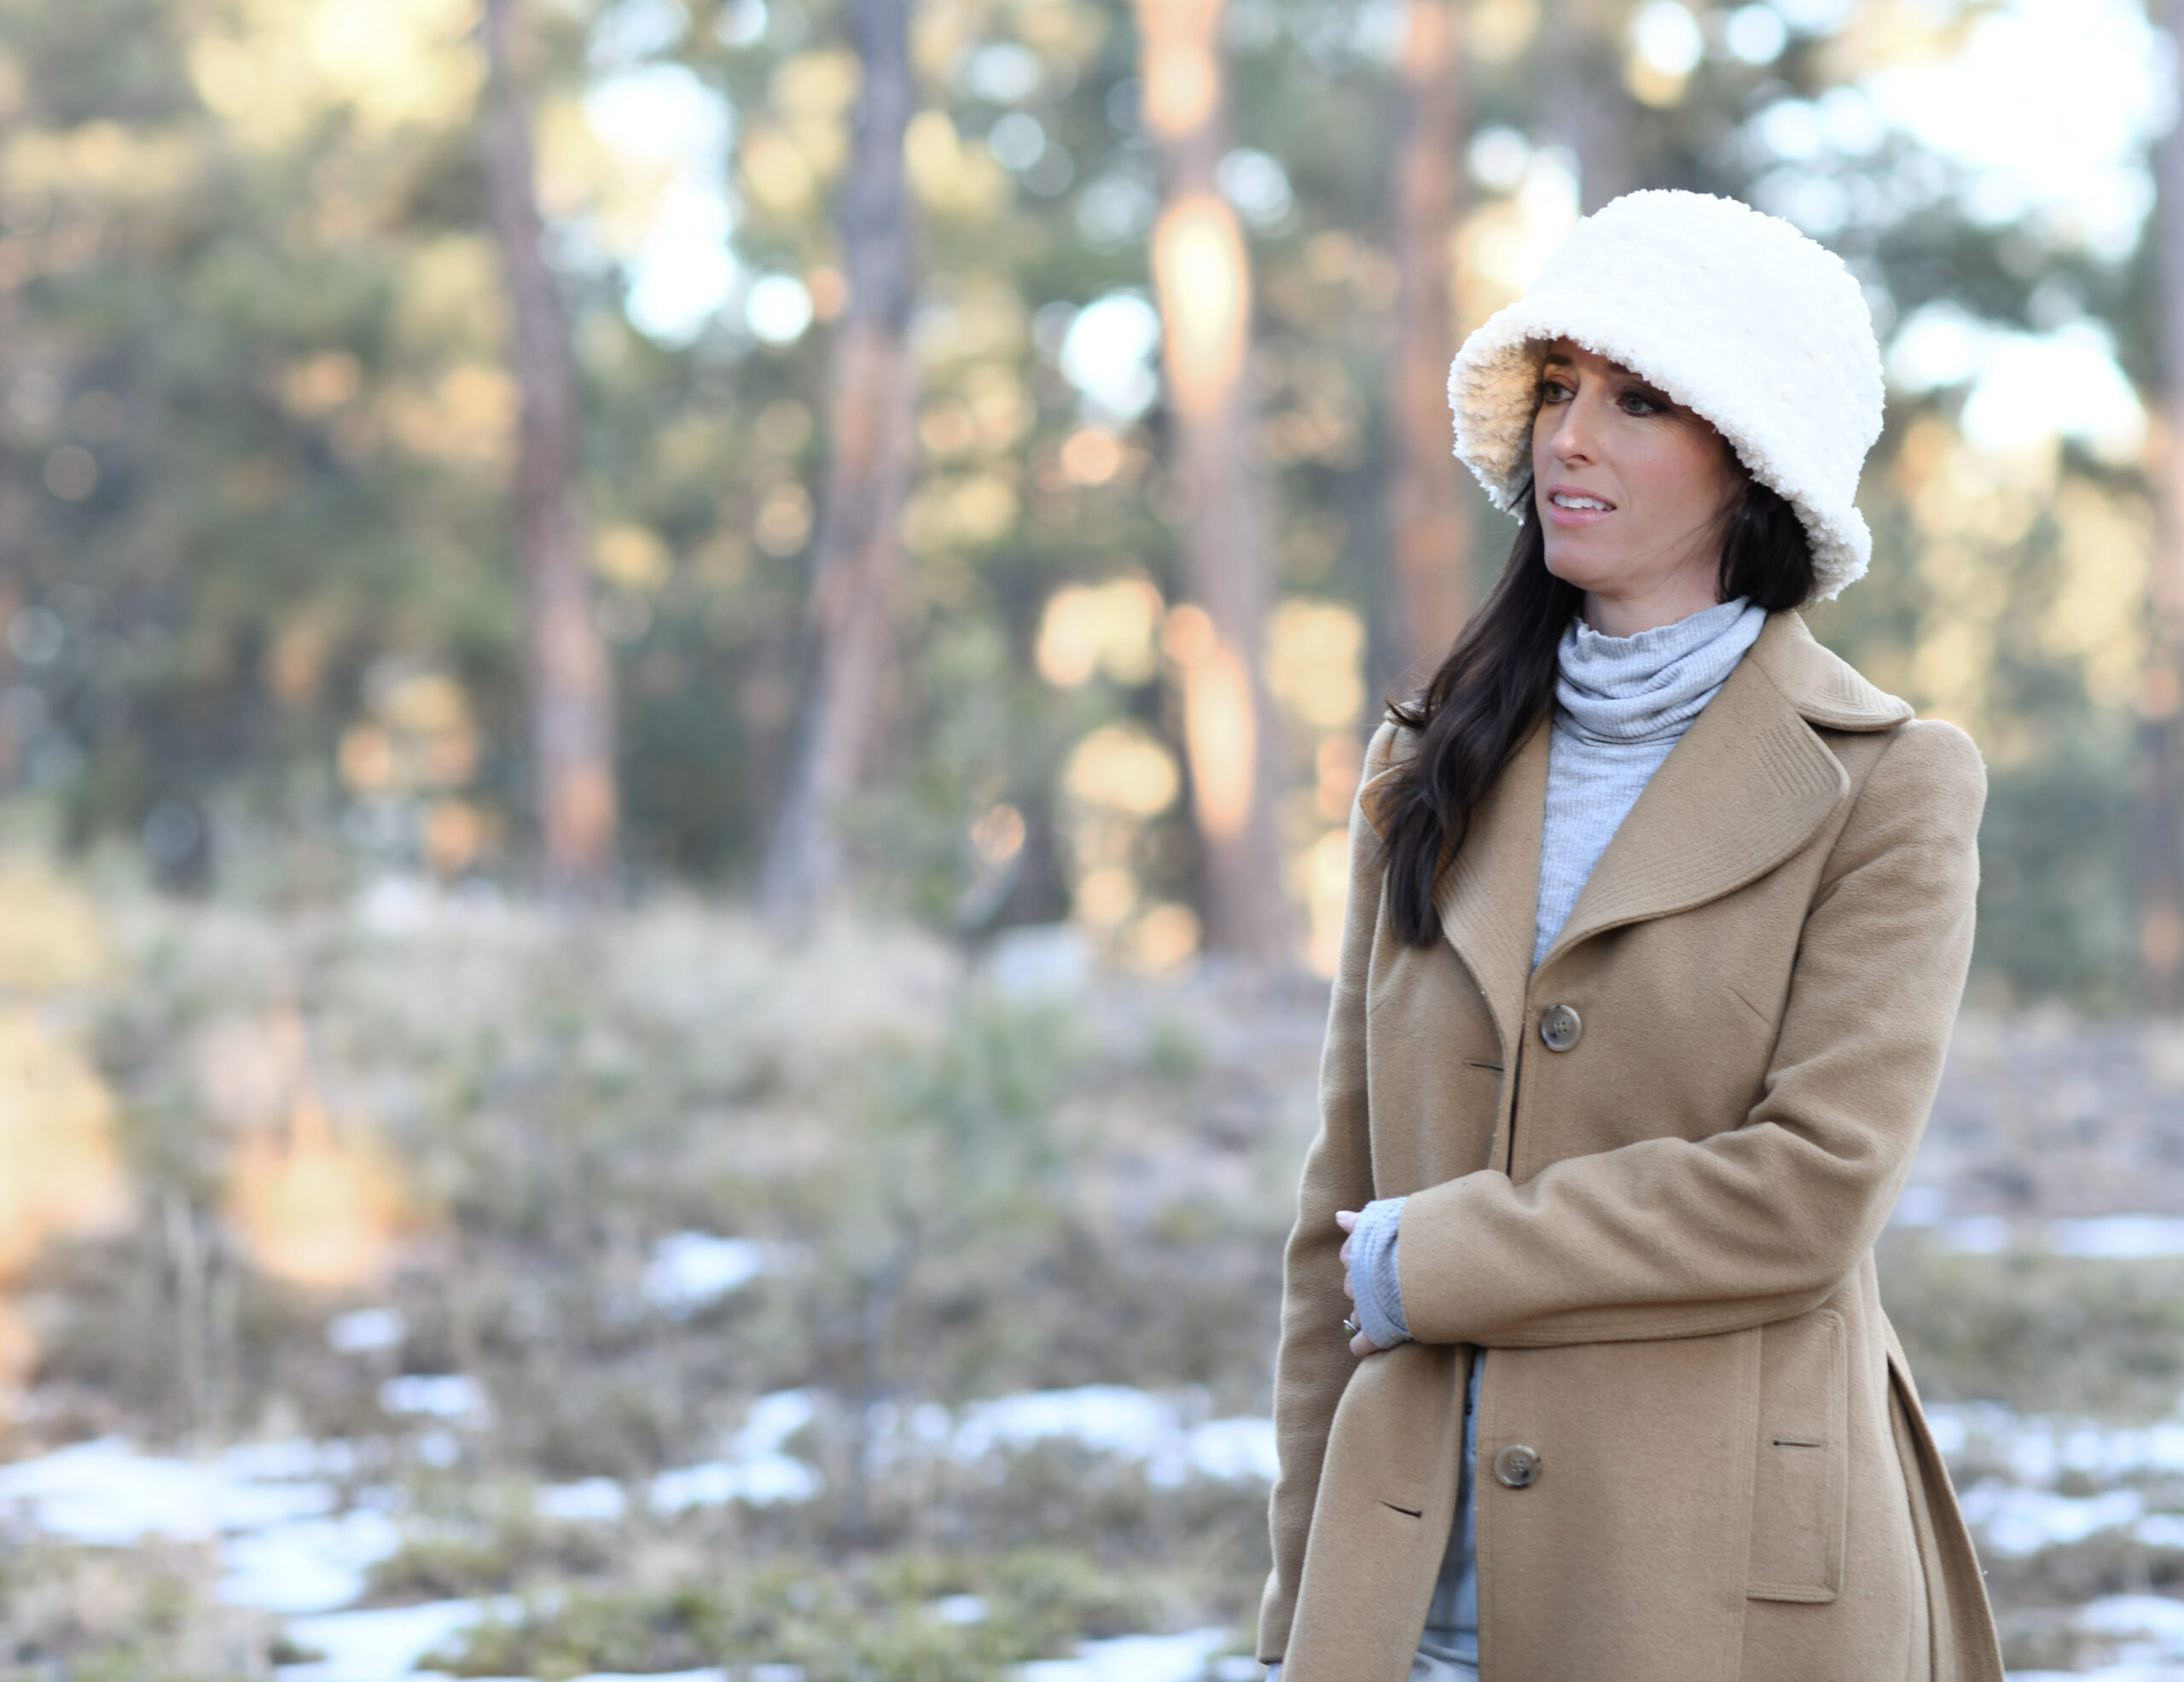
point(1373, 1271)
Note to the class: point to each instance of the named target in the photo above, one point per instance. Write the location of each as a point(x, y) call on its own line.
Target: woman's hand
point(1360, 1346)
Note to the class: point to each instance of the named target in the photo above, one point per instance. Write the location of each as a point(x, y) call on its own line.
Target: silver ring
point(1351, 1326)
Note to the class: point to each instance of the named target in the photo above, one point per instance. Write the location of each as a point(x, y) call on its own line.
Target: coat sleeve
point(1669, 1237)
point(1315, 1362)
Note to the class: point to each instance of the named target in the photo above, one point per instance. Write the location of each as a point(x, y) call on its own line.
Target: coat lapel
point(1489, 896)
point(1744, 789)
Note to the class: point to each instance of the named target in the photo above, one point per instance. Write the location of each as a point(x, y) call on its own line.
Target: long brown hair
point(1499, 681)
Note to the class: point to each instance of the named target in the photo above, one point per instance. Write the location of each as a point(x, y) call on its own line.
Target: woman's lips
point(1556, 513)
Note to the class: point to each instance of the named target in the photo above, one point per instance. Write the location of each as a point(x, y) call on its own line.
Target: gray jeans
point(1448, 1649)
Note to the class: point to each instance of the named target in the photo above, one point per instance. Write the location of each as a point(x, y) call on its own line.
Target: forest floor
point(478, 1295)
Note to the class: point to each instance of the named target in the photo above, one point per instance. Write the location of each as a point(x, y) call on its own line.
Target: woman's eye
point(1552, 390)
point(1639, 403)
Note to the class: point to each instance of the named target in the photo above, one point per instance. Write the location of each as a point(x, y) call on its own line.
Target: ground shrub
point(903, 1618)
point(2039, 1332)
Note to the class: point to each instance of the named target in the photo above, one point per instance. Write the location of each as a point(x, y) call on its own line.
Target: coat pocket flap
point(1801, 1471)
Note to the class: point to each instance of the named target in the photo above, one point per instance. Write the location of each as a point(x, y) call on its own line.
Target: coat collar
point(1823, 688)
point(1747, 787)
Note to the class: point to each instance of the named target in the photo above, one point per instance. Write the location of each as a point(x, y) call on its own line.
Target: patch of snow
point(2125, 1237)
point(1131, 1424)
point(290, 1457)
point(309, 1565)
point(1134, 1658)
point(715, 1674)
point(105, 1493)
point(2153, 1448)
point(755, 1469)
point(593, 1499)
point(1948, 1432)
point(1233, 1450)
point(396, 905)
point(448, 1395)
point(2020, 1512)
point(2149, 1628)
point(960, 1609)
point(2117, 1237)
point(282, 1546)
point(898, 1431)
point(380, 1645)
point(1115, 1417)
point(2114, 1673)
point(2154, 1615)
point(2017, 1521)
point(2036, 1451)
point(1919, 1206)
point(1053, 960)
point(2161, 1530)
point(2102, 1674)
point(363, 1331)
point(251, 1505)
point(688, 1270)
point(760, 1482)
point(1976, 1235)
point(775, 1418)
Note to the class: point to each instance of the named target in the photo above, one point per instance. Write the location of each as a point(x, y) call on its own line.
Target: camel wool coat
point(1662, 1231)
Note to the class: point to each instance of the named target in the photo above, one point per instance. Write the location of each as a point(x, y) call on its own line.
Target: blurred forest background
point(1135, 339)
point(679, 686)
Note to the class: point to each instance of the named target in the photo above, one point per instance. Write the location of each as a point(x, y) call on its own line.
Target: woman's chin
point(1585, 566)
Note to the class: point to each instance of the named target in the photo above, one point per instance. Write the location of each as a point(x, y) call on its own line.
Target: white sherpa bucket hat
point(1734, 314)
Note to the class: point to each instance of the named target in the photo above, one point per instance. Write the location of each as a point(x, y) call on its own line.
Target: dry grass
point(96, 1613)
point(969, 1193)
point(967, 1190)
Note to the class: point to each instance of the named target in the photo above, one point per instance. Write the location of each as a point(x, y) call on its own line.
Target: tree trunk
point(572, 683)
point(856, 559)
point(2161, 698)
point(1202, 272)
point(1580, 72)
point(1429, 536)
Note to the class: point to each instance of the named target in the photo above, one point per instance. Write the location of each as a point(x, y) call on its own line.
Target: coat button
point(1517, 1466)
point(1559, 1026)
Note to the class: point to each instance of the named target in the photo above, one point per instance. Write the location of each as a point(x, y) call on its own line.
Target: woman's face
point(1632, 491)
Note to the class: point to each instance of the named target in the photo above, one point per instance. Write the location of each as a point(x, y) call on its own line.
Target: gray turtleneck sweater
point(1620, 704)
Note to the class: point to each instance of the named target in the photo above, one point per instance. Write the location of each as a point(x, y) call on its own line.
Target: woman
point(1658, 918)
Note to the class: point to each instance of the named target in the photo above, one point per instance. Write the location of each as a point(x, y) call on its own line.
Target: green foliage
point(2055, 914)
point(2040, 1334)
point(1172, 1051)
point(463, 1539)
point(257, 429)
point(960, 1194)
point(953, 1191)
point(109, 1615)
point(900, 1619)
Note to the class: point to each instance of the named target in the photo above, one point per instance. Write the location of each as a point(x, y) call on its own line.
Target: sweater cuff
point(1373, 1271)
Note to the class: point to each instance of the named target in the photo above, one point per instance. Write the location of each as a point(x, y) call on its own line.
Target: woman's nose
point(1572, 436)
